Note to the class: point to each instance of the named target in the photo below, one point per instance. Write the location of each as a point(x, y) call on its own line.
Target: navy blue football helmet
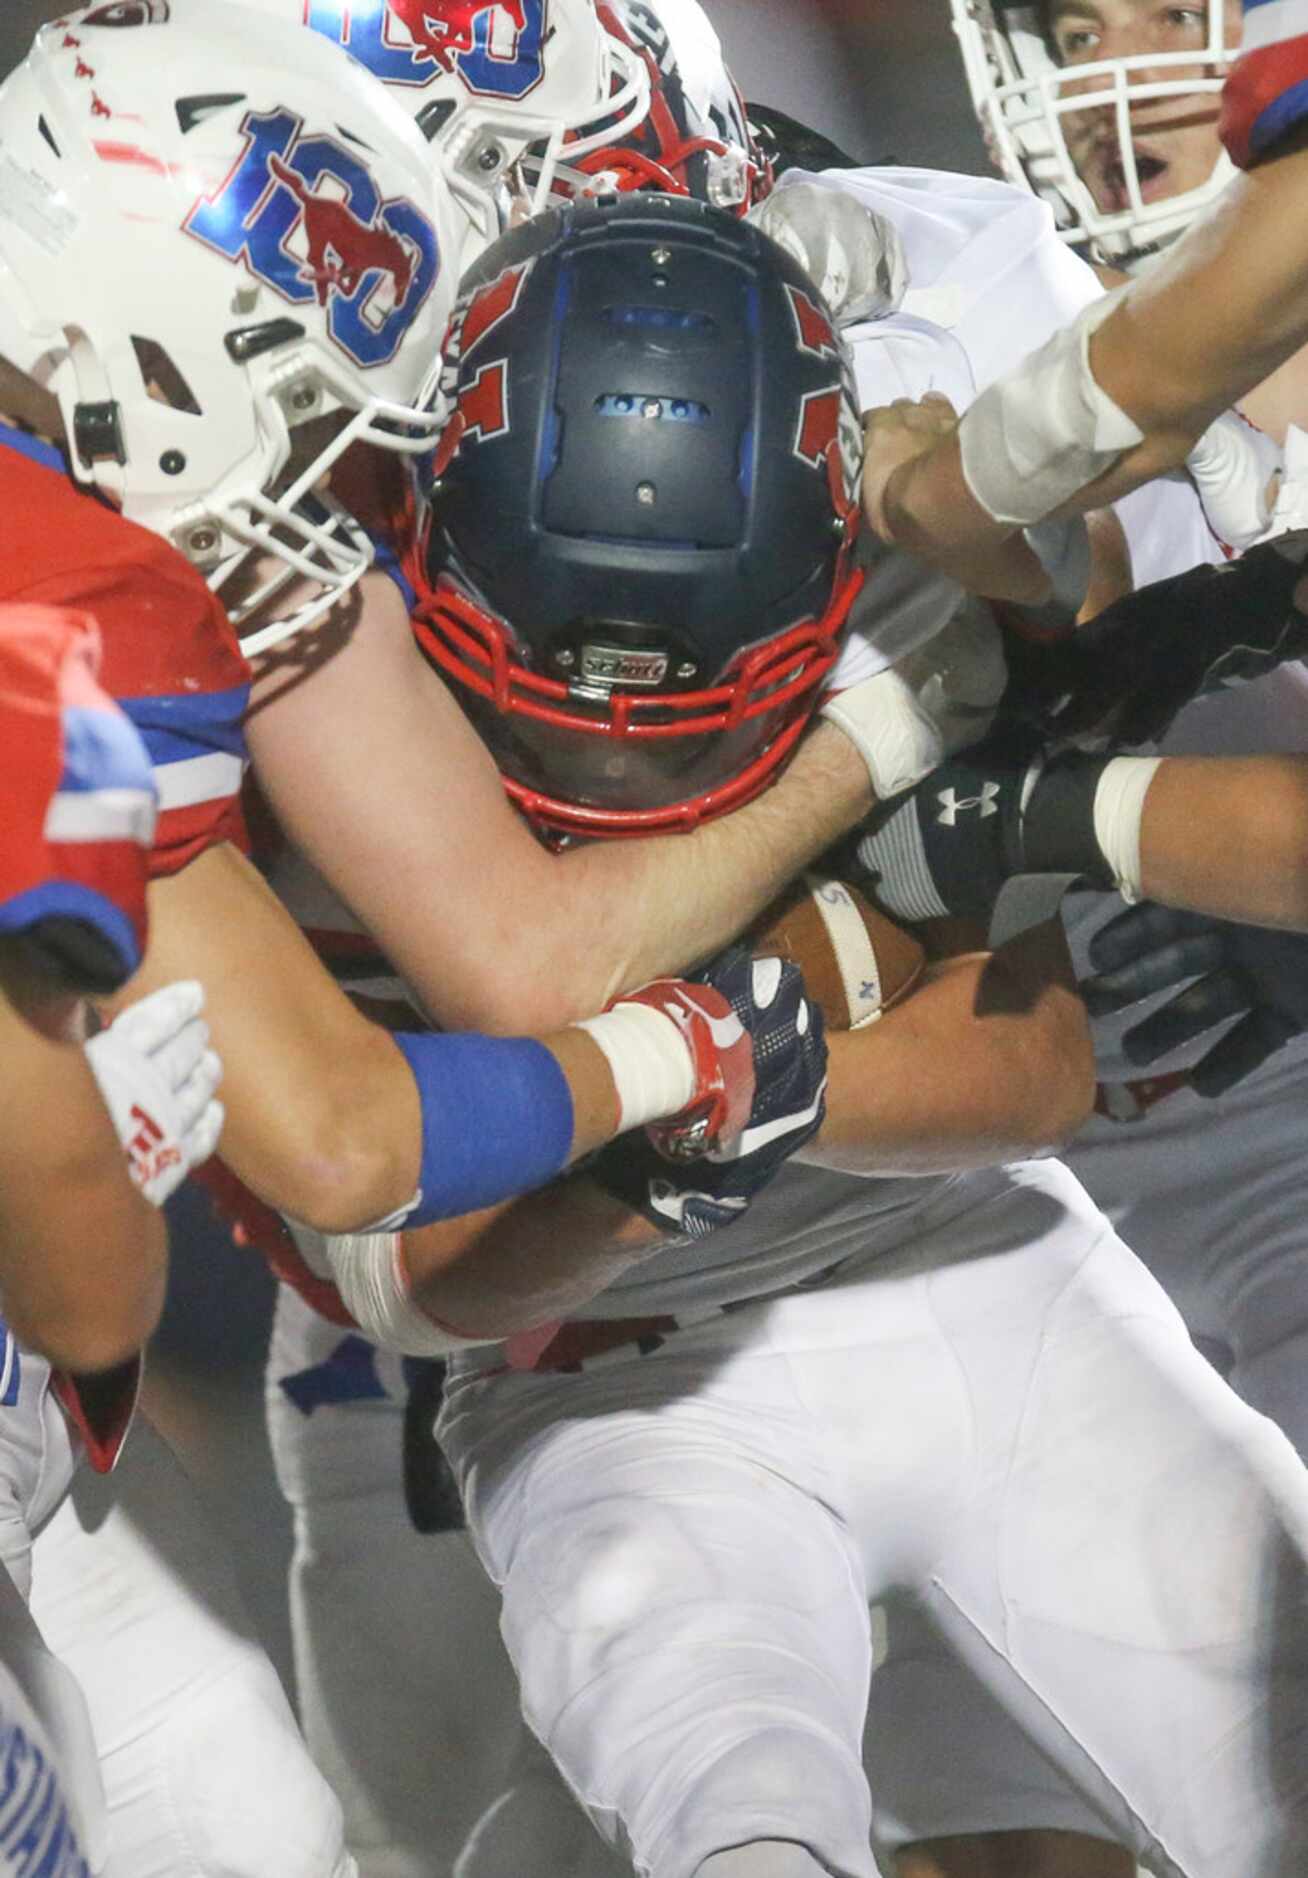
point(639, 546)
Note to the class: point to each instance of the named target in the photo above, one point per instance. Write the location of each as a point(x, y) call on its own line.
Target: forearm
point(513, 1267)
point(83, 1258)
point(1224, 308)
point(657, 906)
point(451, 882)
point(323, 1116)
point(929, 510)
point(1229, 837)
point(989, 1061)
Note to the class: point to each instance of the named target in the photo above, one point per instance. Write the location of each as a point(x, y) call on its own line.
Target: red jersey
point(79, 820)
point(170, 657)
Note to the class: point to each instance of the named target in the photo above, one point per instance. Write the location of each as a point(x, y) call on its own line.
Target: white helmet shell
point(213, 230)
point(487, 80)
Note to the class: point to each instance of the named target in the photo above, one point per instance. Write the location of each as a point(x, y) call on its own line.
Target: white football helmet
point(1024, 96)
point(488, 80)
point(220, 249)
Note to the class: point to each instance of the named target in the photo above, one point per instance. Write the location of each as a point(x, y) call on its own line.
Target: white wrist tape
point(1035, 438)
point(897, 739)
point(368, 1271)
point(1119, 805)
point(652, 1069)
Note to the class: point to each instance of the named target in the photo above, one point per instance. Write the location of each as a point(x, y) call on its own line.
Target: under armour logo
point(953, 805)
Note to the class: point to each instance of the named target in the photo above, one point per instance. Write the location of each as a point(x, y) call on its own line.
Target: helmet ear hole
point(164, 380)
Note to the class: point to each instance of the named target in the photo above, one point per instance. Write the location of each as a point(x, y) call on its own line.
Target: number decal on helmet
point(307, 219)
point(497, 47)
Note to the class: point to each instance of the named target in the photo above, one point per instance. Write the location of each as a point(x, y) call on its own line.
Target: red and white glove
point(158, 1075)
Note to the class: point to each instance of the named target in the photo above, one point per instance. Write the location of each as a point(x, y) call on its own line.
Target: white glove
point(891, 730)
point(1236, 469)
point(157, 1076)
point(853, 256)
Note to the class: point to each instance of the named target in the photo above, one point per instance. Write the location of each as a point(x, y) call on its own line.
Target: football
point(856, 962)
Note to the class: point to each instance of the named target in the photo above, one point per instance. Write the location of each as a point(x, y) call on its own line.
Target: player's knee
point(606, 1573)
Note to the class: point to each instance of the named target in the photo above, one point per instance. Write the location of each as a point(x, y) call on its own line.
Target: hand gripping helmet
point(488, 80)
point(1022, 95)
point(639, 547)
point(219, 249)
point(695, 139)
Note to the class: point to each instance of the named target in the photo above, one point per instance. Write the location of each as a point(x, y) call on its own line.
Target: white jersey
point(988, 281)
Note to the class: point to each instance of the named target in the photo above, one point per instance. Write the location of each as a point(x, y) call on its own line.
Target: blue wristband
point(496, 1120)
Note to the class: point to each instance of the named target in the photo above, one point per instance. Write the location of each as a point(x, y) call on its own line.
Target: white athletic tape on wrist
point(1035, 438)
point(897, 739)
point(368, 1271)
point(653, 1074)
point(1119, 805)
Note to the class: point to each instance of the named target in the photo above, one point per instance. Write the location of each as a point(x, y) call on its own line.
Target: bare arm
point(82, 1254)
point(378, 778)
point(510, 1268)
point(988, 1061)
point(1228, 836)
point(323, 1118)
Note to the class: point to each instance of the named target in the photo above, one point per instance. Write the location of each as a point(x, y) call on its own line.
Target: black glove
point(1127, 673)
point(946, 846)
point(695, 1197)
point(1251, 973)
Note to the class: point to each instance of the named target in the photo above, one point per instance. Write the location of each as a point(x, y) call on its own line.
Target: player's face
point(1175, 138)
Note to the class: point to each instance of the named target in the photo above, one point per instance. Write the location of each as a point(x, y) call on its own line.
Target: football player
point(139, 176)
point(707, 693)
point(1127, 392)
point(196, 445)
point(687, 1558)
point(100, 1132)
point(1209, 1194)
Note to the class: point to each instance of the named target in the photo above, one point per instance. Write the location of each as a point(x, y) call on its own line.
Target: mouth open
point(1152, 172)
